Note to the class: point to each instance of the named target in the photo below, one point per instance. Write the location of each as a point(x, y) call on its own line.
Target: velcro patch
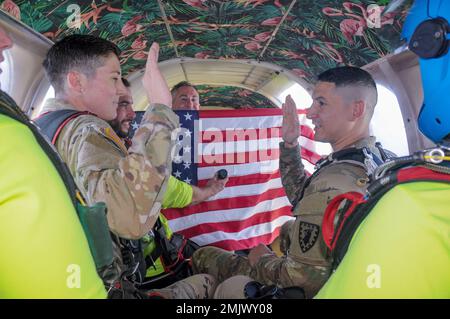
point(308, 235)
point(112, 136)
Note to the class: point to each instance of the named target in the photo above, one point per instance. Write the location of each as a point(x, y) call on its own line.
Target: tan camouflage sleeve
point(292, 172)
point(132, 185)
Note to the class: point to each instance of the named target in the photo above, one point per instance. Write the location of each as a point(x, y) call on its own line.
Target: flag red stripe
point(237, 225)
point(246, 179)
point(310, 156)
point(243, 113)
point(225, 203)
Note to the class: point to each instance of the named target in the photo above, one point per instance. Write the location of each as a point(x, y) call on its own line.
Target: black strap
point(384, 155)
point(254, 290)
point(174, 251)
point(348, 154)
point(165, 248)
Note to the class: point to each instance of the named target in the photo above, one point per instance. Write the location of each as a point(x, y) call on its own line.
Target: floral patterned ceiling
point(231, 96)
point(305, 36)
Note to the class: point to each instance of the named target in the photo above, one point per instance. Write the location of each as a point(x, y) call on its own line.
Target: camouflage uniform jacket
point(131, 183)
point(306, 262)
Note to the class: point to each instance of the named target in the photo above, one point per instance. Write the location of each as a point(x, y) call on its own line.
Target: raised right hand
point(291, 124)
point(154, 83)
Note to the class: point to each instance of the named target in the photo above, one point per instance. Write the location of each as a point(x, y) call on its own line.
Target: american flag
point(253, 206)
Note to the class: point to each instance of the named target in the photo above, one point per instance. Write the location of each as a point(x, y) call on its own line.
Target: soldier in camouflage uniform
point(343, 103)
point(85, 72)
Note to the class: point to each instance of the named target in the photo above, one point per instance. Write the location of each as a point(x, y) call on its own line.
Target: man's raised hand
point(291, 124)
point(154, 83)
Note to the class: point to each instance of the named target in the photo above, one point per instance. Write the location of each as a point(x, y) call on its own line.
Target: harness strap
point(361, 155)
point(384, 156)
point(421, 174)
point(52, 123)
point(329, 235)
point(171, 250)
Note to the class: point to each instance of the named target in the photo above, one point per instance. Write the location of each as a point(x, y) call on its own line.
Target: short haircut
point(179, 85)
point(84, 53)
point(126, 83)
point(355, 77)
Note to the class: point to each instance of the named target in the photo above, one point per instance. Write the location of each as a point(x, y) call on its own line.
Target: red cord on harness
point(328, 232)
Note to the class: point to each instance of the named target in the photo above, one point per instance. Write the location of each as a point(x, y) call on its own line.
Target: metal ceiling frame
point(276, 71)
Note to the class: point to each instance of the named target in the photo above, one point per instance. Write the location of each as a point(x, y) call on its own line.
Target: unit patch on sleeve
point(308, 235)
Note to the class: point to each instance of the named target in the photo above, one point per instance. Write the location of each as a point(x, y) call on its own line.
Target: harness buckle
point(369, 161)
point(324, 161)
point(435, 156)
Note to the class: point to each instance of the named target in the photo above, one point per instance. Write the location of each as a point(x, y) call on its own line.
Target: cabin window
point(5, 75)
point(301, 97)
point(387, 123)
point(49, 95)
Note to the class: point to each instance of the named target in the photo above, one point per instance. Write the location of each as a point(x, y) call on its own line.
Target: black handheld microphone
point(222, 174)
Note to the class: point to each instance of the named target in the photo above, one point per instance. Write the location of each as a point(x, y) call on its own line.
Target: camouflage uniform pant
point(232, 288)
point(220, 263)
point(195, 287)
